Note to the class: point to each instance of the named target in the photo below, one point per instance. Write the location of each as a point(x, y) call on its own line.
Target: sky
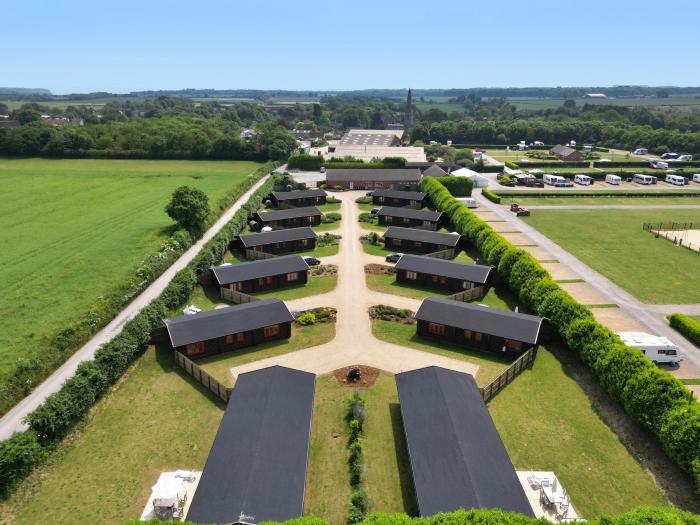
point(82, 46)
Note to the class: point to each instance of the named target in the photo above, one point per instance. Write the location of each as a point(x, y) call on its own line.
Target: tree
point(570, 104)
point(189, 207)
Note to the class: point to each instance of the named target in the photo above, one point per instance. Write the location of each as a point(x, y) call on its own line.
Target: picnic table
point(553, 495)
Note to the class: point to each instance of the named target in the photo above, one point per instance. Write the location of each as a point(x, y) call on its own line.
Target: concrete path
point(649, 316)
point(12, 421)
point(354, 342)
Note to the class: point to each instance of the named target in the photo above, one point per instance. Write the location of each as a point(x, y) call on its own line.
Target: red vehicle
point(519, 210)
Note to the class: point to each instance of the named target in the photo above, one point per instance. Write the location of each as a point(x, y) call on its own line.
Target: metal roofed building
point(373, 137)
point(477, 326)
point(440, 273)
point(457, 457)
point(256, 469)
point(409, 217)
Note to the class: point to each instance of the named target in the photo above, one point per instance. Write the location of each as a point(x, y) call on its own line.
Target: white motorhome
point(678, 180)
point(553, 180)
point(640, 178)
point(613, 179)
point(640, 151)
point(659, 165)
point(584, 180)
point(658, 349)
point(696, 177)
point(469, 202)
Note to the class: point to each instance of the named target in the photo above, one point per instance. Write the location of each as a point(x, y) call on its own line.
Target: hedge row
point(315, 162)
point(652, 397)
point(355, 419)
point(643, 164)
point(686, 325)
point(493, 197)
point(54, 418)
point(554, 165)
point(458, 186)
point(639, 516)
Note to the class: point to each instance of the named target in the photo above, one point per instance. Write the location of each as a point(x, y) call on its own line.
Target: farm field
point(553, 103)
point(74, 230)
point(387, 477)
point(155, 419)
point(613, 243)
point(606, 201)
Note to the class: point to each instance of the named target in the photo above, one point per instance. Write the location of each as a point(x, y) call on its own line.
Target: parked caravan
point(613, 179)
point(684, 158)
point(659, 165)
point(658, 349)
point(553, 180)
point(640, 151)
point(639, 178)
point(469, 202)
point(696, 177)
point(677, 180)
point(584, 180)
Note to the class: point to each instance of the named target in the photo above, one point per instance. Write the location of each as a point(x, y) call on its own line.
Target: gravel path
point(354, 342)
point(12, 421)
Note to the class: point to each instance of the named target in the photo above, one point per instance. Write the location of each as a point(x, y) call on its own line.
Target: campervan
point(469, 202)
point(553, 180)
point(677, 180)
point(640, 178)
point(658, 349)
point(640, 151)
point(613, 179)
point(584, 180)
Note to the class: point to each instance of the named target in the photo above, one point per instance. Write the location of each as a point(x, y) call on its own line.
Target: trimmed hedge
point(644, 164)
point(59, 413)
point(305, 162)
point(458, 186)
point(638, 516)
point(652, 397)
point(493, 197)
point(686, 325)
point(511, 165)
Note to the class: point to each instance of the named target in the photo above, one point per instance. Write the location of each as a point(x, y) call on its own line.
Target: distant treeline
point(179, 137)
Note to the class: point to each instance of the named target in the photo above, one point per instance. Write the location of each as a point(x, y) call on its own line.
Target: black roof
point(289, 213)
point(297, 194)
point(188, 329)
point(362, 174)
point(501, 323)
point(398, 194)
point(233, 273)
point(474, 273)
point(457, 457)
point(412, 234)
point(289, 234)
point(411, 213)
point(434, 171)
point(257, 464)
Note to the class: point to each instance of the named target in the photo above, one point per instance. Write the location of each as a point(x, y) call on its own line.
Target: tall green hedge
point(688, 326)
point(639, 516)
point(58, 414)
point(493, 197)
point(652, 397)
point(458, 186)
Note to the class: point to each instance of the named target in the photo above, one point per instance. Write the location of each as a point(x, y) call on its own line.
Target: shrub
point(18, 456)
point(305, 162)
point(512, 165)
point(688, 326)
point(328, 218)
point(458, 186)
point(306, 319)
point(491, 196)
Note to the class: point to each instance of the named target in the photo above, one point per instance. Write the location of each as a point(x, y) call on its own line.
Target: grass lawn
point(154, 420)
point(613, 243)
point(387, 477)
point(546, 422)
point(302, 337)
point(329, 206)
point(605, 201)
point(321, 251)
point(372, 227)
point(74, 230)
point(376, 249)
point(326, 227)
point(367, 206)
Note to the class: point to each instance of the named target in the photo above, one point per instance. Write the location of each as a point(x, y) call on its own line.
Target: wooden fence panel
point(467, 295)
point(202, 377)
point(442, 254)
point(508, 375)
point(255, 255)
point(237, 297)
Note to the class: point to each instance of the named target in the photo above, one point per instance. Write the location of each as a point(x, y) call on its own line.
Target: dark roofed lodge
point(290, 217)
point(370, 179)
point(419, 241)
point(412, 199)
point(258, 276)
point(279, 241)
point(440, 273)
point(409, 217)
point(297, 198)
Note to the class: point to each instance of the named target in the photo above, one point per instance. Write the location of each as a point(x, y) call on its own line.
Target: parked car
point(323, 169)
point(669, 156)
point(393, 257)
point(312, 261)
point(519, 210)
point(375, 211)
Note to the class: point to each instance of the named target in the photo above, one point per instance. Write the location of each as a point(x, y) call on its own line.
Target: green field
point(155, 419)
point(604, 201)
point(613, 243)
point(73, 230)
point(387, 478)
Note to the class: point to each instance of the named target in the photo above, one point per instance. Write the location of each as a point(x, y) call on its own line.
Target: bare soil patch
point(368, 376)
point(379, 269)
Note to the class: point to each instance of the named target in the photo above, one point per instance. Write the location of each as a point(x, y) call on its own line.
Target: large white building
point(368, 144)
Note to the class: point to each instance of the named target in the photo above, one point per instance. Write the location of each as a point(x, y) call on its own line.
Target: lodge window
point(388, 218)
point(396, 242)
point(417, 244)
point(378, 185)
point(270, 331)
point(406, 220)
point(436, 329)
point(310, 219)
point(195, 348)
point(426, 223)
point(236, 287)
point(514, 345)
point(304, 242)
point(380, 199)
point(464, 285)
point(292, 276)
point(411, 275)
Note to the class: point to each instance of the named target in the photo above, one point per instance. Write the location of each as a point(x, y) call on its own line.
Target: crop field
point(73, 230)
point(691, 200)
point(553, 103)
point(613, 243)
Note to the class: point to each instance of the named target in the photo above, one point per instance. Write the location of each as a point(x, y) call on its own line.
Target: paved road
point(615, 207)
point(12, 421)
point(354, 342)
point(651, 316)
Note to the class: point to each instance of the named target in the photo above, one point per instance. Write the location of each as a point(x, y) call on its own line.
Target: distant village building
point(567, 154)
point(368, 144)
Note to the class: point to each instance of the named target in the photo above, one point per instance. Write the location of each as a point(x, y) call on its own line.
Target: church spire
point(409, 110)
